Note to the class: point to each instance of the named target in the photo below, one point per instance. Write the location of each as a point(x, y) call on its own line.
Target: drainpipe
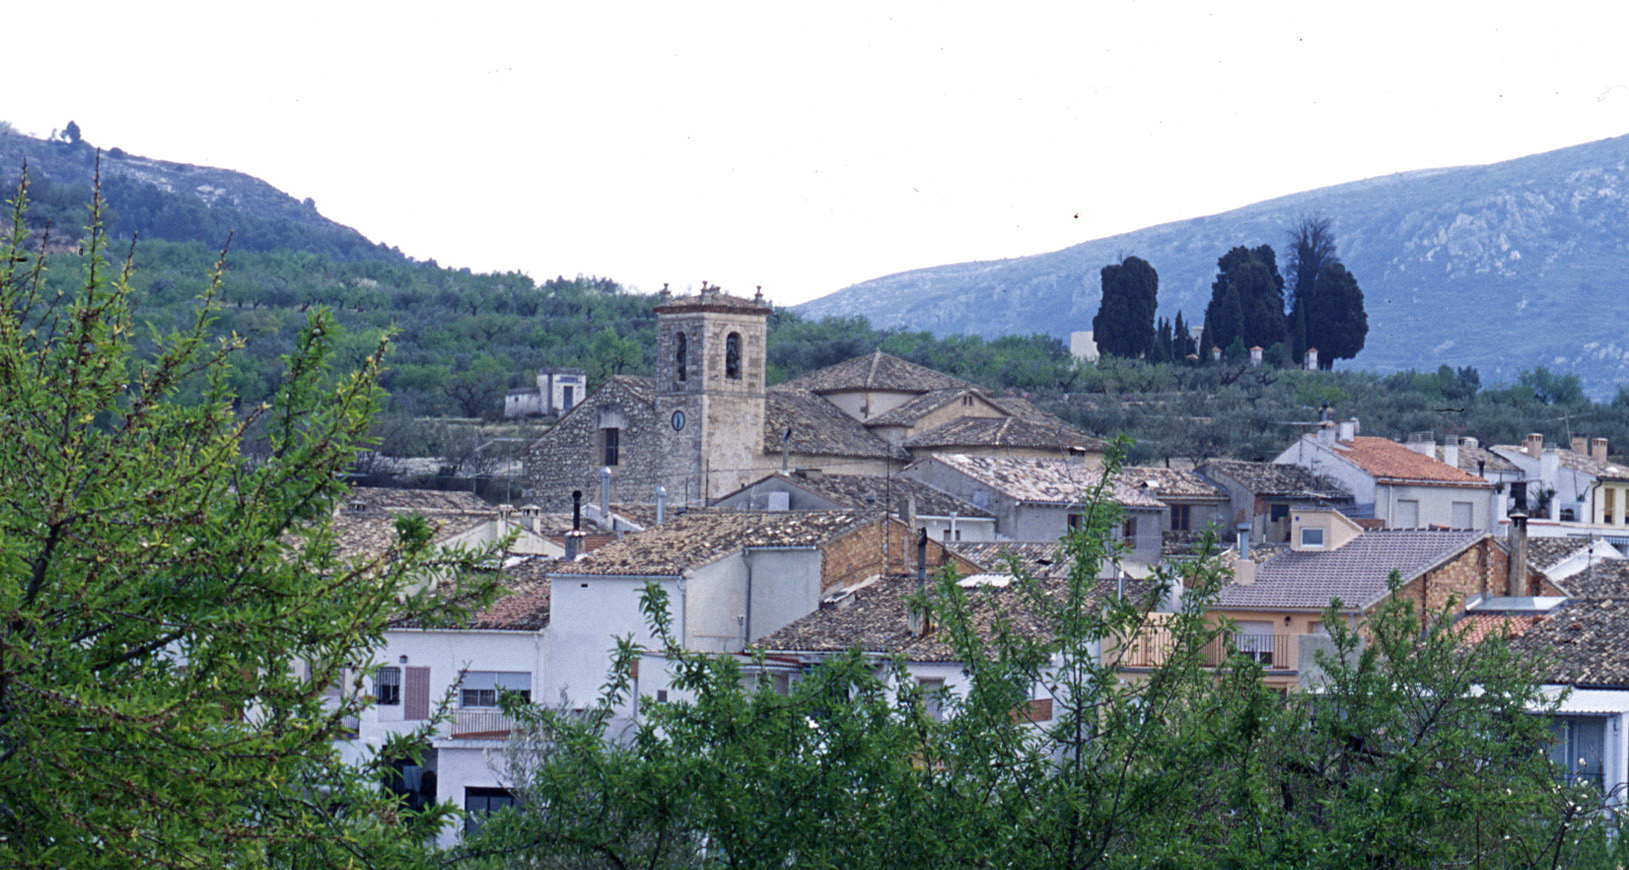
point(1517, 586)
point(605, 498)
point(661, 504)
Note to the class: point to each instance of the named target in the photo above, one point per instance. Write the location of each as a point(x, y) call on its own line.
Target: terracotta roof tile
point(1163, 483)
point(1586, 639)
point(1473, 458)
point(1010, 432)
point(909, 412)
point(818, 428)
point(1385, 459)
point(886, 493)
point(700, 537)
point(524, 603)
point(1045, 481)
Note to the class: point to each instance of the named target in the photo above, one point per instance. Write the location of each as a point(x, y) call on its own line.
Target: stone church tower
point(710, 392)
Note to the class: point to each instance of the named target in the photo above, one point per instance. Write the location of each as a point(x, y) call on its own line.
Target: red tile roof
point(1385, 459)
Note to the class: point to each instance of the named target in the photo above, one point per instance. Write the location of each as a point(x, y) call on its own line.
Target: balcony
point(479, 723)
point(1278, 653)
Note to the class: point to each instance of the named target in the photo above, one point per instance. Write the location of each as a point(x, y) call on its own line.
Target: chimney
point(1255, 355)
point(1326, 433)
point(1534, 445)
point(1244, 572)
point(1422, 443)
point(1597, 449)
point(1347, 430)
point(574, 538)
point(1215, 353)
point(1311, 359)
point(1450, 452)
point(1517, 586)
point(910, 513)
point(1470, 442)
point(1244, 540)
point(661, 504)
point(1580, 445)
point(915, 618)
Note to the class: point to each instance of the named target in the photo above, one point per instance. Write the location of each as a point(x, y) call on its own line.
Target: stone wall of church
point(570, 455)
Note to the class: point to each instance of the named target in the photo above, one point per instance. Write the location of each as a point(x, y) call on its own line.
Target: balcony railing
point(1274, 652)
point(479, 723)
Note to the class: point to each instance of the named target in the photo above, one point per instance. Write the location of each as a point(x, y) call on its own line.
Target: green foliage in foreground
point(1416, 752)
point(172, 611)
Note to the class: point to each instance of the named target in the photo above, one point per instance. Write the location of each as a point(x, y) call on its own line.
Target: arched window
point(732, 356)
point(681, 355)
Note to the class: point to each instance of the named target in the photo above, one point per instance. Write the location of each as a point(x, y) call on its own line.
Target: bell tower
point(710, 392)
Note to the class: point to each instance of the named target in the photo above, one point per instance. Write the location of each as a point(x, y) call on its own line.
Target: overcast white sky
point(807, 147)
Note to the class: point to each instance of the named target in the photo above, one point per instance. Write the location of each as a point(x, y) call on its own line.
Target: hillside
point(1503, 267)
point(174, 201)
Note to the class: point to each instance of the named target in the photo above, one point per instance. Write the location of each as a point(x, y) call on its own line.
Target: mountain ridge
point(1537, 239)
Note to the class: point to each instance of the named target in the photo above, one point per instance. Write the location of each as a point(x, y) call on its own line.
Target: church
point(708, 423)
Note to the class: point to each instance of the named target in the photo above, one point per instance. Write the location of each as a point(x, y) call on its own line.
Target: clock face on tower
point(678, 420)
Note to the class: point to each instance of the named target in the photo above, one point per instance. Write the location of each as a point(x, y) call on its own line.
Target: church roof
point(876, 371)
point(818, 428)
point(710, 299)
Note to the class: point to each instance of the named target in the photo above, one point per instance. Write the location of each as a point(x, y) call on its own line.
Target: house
point(557, 391)
point(1193, 504)
point(366, 520)
point(1572, 491)
point(1405, 487)
point(945, 517)
point(731, 577)
point(1278, 603)
point(709, 423)
point(1041, 499)
point(1262, 495)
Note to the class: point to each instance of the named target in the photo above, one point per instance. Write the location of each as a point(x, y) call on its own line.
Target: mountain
point(173, 201)
point(1503, 267)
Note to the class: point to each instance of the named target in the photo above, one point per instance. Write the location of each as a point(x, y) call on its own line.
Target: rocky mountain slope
point(1503, 267)
point(173, 201)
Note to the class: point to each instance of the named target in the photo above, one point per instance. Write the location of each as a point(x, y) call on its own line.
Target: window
point(1313, 537)
point(732, 356)
point(1278, 513)
point(482, 688)
point(1128, 530)
point(611, 440)
point(681, 356)
point(483, 802)
point(1609, 499)
point(1408, 514)
point(1076, 522)
point(1569, 515)
point(933, 698)
point(1579, 748)
point(1181, 517)
point(567, 398)
point(387, 686)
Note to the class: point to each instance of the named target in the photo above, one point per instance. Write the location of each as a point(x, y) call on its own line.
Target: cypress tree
point(1124, 325)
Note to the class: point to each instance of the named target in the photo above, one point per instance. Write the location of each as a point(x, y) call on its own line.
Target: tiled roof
point(876, 371)
point(413, 500)
point(1040, 557)
point(1045, 481)
point(1469, 457)
point(1171, 483)
point(1593, 467)
point(887, 493)
point(1355, 573)
point(1022, 407)
point(1385, 459)
point(875, 619)
point(1284, 481)
point(1585, 640)
point(1545, 553)
point(700, 537)
point(1007, 432)
point(1608, 578)
point(714, 301)
point(909, 412)
point(818, 428)
point(524, 603)
point(1478, 626)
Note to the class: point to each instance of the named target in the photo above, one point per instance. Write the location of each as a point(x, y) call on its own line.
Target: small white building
point(557, 391)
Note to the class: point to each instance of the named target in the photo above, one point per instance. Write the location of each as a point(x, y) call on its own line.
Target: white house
point(1406, 487)
point(1573, 491)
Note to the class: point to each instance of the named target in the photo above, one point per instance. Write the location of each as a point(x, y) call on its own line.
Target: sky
point(807, 147)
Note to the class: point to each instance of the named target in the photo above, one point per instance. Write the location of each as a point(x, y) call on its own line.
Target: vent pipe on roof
point(1244, 540)
point(574, 538)
point(661, 504)
point(921, 560)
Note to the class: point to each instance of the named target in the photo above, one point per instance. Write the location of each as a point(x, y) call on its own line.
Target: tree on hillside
point(1312, 246)
point(1247, 301)
point(1124, 325)
point(1336, 321)
point(175, 611)
point(70, 133)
